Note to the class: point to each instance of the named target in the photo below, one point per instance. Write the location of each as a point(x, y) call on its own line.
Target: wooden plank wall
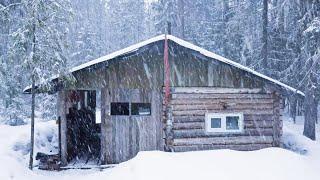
point(192, 69)
point(124, 136)
point(189, 107)
point(144, 70)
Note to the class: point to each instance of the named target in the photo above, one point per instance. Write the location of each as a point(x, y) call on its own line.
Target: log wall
point(262, 125)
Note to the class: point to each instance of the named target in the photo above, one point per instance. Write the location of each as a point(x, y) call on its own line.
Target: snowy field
point(266, 164)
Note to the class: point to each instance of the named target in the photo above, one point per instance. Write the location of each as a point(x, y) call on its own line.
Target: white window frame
point(223, 117)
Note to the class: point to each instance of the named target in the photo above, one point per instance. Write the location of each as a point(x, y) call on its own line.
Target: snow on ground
point(265, 164)
point(15, 147)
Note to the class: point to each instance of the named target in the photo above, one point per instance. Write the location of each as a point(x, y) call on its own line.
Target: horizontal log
point(201, 118)
point(195, 133)
point(258, 124)
point(186, 119)
point(214, 90)
point(203, 112)
point(201, 125)
point(189, 125)
point(257, 117)
point(203, 101)
point(221, 96)
point(229, 106)
point(224, 140)
point(240, 147)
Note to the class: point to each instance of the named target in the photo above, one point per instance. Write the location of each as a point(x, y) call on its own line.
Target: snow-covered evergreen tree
point(13, 107)
point(87, 31)
point(39, 43)
point(126, 22)
point(311, 69)
point(164, 13)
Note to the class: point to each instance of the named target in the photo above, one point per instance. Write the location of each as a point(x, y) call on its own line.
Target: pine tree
point(264, 67)
point(87, 31)
point(126, 20)
point(40, 43)
point(311, 52)
point(164, 13)
point(248, 19)
point(304, 71)
point(11, 81)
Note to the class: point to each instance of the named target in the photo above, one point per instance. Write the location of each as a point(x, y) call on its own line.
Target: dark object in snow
point(289, 142)
point(48, 162)
point(15, 122)
point(100, 167)
point(295, 148)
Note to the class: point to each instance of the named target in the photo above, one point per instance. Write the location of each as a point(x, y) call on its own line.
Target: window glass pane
point(140, 109)
point(215, 122)
point(232, 122)
point(120, 109)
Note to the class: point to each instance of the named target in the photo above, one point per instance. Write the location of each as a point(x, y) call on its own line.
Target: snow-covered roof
point(184, 44)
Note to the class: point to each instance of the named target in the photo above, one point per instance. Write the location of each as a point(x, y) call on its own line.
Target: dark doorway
point(83, 133)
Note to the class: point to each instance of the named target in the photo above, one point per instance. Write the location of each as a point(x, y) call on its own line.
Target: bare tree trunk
point(310, 114)
point(264, 53)
point(317, 104)
point(181, 17)
point(225, 20)
point(293, 107)
point(33, 97)
point(32, 122)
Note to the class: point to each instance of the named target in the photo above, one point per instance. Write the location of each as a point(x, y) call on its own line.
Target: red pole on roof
point(167, 72)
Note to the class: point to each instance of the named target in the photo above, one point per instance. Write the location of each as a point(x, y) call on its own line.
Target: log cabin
point(165, 94)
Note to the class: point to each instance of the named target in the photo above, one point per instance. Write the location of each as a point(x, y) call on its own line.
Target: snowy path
point(266, 164)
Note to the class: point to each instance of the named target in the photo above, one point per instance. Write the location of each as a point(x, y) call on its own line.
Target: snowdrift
point(265, 164)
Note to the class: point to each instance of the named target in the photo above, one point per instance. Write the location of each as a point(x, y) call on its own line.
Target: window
point(140, 109)
point(224, 122)
point(120, 109)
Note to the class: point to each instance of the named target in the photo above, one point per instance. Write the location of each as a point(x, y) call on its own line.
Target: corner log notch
point(277, 123)
point(168, 129)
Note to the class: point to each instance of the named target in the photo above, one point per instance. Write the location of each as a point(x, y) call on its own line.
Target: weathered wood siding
point(261, 124)
point(144, 70)
point(125, 136)
point(192, 69)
